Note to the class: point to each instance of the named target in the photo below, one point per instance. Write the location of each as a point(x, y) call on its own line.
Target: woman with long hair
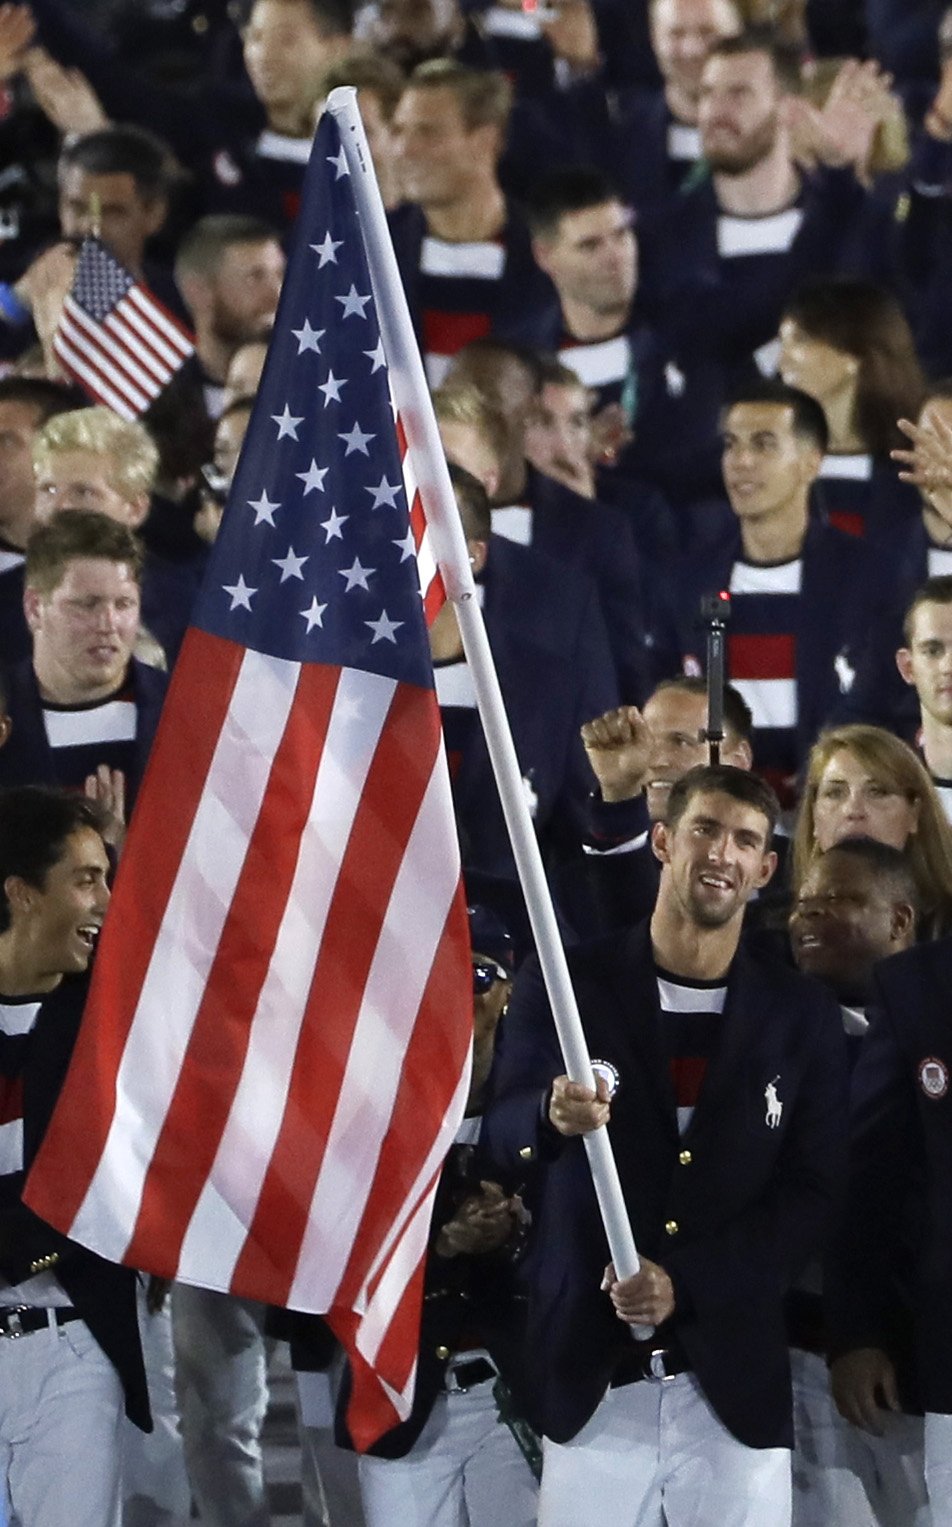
point(864, 782)
point(848, 344)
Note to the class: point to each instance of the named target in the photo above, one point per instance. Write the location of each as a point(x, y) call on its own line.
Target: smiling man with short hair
point(69, 1340)
point(726, 1115)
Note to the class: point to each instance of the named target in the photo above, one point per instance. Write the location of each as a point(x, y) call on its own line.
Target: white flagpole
point(411, 393)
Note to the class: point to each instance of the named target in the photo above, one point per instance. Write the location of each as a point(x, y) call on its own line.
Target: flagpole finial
point(95, 214)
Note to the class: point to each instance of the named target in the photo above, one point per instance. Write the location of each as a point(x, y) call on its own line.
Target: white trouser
point(844, 1476)
point(330, 1489)
point(464, 1470)
point(939, 1467)
point(61, 1407)
point(654, 1454)
point(221, 1376)
point(155, 1488)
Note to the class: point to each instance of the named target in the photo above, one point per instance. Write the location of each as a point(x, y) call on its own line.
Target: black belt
point(467, 1375)
point(650, 1363)
point(23, 1319)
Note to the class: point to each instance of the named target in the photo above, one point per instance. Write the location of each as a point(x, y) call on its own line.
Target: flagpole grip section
point(411, 391)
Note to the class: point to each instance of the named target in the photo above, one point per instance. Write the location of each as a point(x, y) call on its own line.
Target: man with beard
point(721, 1079)
point(229, 270)
point(756, 227)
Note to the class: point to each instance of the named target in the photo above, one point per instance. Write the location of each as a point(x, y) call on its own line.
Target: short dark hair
point(34, 826)
point(201, 250)
point(73, 533)
point(335, 18)
point(724, 779)
point(737, 713)
point(572, 190)
point(123, 150)
point(473, 501)
point(38, 392)
point(785, 59)
point(809, 420)
point(890, 866)
point(933, 591)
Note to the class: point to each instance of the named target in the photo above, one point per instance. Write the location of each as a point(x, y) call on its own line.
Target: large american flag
point(275, 1057)
point(114, 337)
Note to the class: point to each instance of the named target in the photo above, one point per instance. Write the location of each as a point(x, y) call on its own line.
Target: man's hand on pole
point(577, 1110)
point(647, 1299)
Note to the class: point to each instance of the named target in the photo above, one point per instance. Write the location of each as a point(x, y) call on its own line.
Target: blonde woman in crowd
point(863, 781)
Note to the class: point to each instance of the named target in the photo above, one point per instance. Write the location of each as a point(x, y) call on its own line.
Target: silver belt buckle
point(12, 1324)
point(656, 1365)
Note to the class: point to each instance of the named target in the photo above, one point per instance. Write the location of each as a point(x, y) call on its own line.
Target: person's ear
point(904, 664)
point(32, 602)
point(478, 552)
point(902, 923)
point(767, 870)
point(660, 842)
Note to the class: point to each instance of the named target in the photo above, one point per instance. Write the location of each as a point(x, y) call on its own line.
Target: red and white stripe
point(257, 1133)
point(431, 583)
point(127, 360)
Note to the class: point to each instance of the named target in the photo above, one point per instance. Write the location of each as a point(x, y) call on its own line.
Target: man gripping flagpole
point(411, 397)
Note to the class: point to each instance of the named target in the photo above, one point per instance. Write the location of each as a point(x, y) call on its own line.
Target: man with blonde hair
point(462, 248)
point(89, 458)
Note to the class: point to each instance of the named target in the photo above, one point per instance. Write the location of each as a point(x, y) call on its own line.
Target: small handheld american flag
point(114, 337)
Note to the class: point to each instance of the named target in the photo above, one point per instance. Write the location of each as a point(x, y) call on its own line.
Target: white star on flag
point(263, 508)
point(290, 565)
point(331, 526)
point(406, 546)
point(331, 388)
point(308, 338)
point(339, 161)
point(356, 441)
point(287, 423)
point(352, 304)
point(240, 593)
point(377, 356)
point(384, 493)
point(313, 477)
point(384, 628)
point(314, 614)
point(327, 250)
point(356, 575)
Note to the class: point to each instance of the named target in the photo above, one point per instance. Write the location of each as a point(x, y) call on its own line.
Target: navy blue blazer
point(894, 1250)
point(27, 758)
point(555, 670)
point(729, 307)
point(523, 286)
point(596, 540)
point(102, 1292)
point(732, 1209)
point(879, 695)
point(840, 601)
